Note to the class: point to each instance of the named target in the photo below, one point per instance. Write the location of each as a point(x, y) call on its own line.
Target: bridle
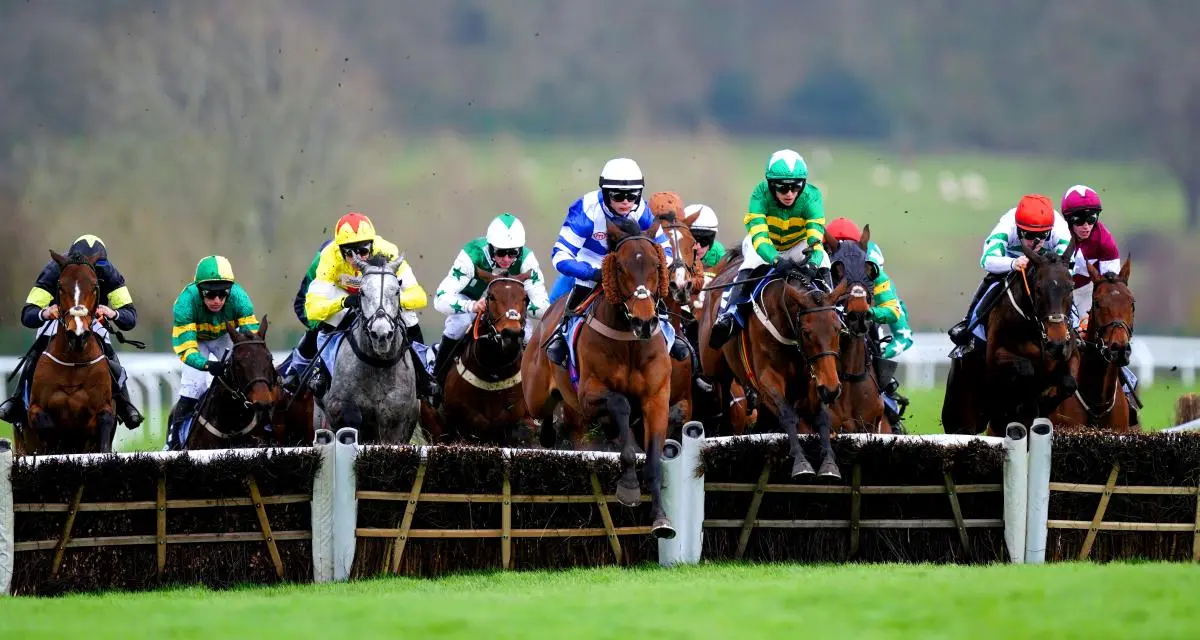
point(485, 320)
point(678, 262)
point(799, 341)
point(239, 392)
point(78, 310)
point(640, 292)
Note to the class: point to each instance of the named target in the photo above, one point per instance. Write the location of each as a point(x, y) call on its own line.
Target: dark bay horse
point(70, 400)
point(859, 408)
point(1104, 349)
point(789, 353)
point(1023, 374)
point(240, 403)
point(483, 401)
point(622, 359)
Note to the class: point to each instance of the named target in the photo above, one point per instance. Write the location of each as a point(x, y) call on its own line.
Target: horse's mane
point(733, 253)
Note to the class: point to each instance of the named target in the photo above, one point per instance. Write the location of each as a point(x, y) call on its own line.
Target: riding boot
point(556, 346)
point(299, 360)
point(126, 411)
point(445, 355)
point(183, 410)
point(959, 333)
point(726, 324)
point(13, 411)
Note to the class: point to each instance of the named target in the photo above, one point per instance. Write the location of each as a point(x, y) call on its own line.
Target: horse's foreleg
point(629, 491)
point(654, 417)
point(773, 388)
point(829, 466)
point(106, 425)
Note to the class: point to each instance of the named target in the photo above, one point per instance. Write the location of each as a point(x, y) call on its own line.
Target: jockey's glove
point(352, 301)
point(215, 367)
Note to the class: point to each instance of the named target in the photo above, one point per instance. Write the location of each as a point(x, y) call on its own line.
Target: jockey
point(582, 244)
point(334, 290)
point(786, 215)
point(203, 307)
point(709, 250)
point(500, 251)
point(41, 310)
point(1034, 224)
point(888, 311)
point(1095, 245)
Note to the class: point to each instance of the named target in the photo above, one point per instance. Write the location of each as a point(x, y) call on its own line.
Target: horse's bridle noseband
point(241, 393)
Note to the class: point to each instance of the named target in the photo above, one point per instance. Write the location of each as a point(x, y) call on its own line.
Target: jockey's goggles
point(362, 250)
point(704, 239)
point(788, 186)
point(1026, 234)
point(625, 195)
point(1083, 216)
point(506, 253)
point(215, 294)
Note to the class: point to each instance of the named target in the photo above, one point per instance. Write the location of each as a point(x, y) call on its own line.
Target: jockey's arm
point(887, 303)
point(324, 298)
point(535, 286)
point(302, 292)
point(901, 335)
point(814, 225)
point(119, 299)
point(1109, 260)
point(995, 259)
point(1060, 235)
point(242, 308)
point(40, 296)
point(412, 295)
point(183, 334)
point(760, 234)
point(574, 232)
point(449, 299)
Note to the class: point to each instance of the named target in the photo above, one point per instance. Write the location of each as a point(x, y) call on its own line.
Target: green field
point(711, 601)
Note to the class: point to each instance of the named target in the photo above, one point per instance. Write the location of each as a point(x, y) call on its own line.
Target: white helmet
point(506, 232)
point(621, 173)
point(706, 220)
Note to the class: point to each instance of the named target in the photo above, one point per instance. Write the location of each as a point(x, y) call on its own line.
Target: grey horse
point(373, 386)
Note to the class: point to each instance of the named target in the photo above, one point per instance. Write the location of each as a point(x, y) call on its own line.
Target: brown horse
point(740, 410)
point(483, 401)
point(622, 358)
point(70, 400)
point(788, 352)
point(859, 408)
point(240, 403)
point(1023, 373)
point(1105, 348)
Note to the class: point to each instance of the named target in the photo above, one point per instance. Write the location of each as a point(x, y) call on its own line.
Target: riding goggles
point(1083, 216)
point(704, 239)
point(629, 195)
point(1026, 234)
point(215, 294)
point(361, 250)
point(506, 253)
point(788, 186)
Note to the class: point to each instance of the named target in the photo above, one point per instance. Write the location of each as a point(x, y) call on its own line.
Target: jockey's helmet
point(704, 228)
point(1081, 204)
point(354, 233)
point(1035, 214)
point(844, 229)
point(87, 246)
point(786, 167)
point(214, 273)
point(622, 174)
point(505, 232)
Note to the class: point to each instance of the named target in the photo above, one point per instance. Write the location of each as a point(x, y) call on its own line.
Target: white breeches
point(193, 382)
point(751, 259)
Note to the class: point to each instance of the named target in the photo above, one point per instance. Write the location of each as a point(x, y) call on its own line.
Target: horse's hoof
point(801, 467)
point(629, 496)
point(662, 529)
point(829, 469)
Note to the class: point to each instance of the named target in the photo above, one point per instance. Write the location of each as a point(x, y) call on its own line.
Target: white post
point(322, 507)
point(345, 505)
point(7, 555)
point(693, 534)
point(674, 502)
point(1040, 438)
point(1016, 490)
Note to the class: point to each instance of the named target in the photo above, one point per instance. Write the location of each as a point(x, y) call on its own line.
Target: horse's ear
point(690, 220)
point(358, 263)
point(58, 257)
point(522, 277)
point(1093, 272)
point(1124, 275)
point(615, 235)
point(1034, 256)
point(831, 243)
point(837, 271)
point(393, 265)
point(262, 328)
point(485, 276)
point(231, 329)
point(866, 237)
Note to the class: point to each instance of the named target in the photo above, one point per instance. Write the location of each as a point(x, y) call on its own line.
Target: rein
point(490, 380)
point(238, 394)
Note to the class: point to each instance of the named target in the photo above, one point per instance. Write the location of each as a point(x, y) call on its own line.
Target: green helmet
point(786, 164)
point(214, 271)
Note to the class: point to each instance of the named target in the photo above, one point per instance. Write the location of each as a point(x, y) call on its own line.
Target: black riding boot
point(126, 411)
point(960, 333)
point(445, 355)
point(556, 346)
point(726, 324)
point(307, 350)
point(183, 409)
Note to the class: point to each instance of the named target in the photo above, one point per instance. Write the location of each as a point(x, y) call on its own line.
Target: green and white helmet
point(786, 164)
point(506, 232)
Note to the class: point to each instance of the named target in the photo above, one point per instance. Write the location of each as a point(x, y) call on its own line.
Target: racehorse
point(859, 407)
point(621, 359)
point(239, 403)
point(372, 387)
point(70, 396)
point(788, 351)
point(1104, 349)
point(1023, 374)
point(482, 394)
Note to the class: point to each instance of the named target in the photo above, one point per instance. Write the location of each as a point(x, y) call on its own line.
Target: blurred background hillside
point(178, 129)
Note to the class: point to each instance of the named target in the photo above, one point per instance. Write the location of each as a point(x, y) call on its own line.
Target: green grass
point(712, 601)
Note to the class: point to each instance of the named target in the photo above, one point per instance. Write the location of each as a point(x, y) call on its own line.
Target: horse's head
point(506, 304)
point(1110, 322)
point(685, 269)
point(1050, 287)
point(818, 329)
point(78, 295)
point(379, 293)
point(251, 374)
point(635, 274)
point(849, 264)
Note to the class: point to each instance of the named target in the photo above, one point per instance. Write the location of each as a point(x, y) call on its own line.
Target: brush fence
point(339, 510)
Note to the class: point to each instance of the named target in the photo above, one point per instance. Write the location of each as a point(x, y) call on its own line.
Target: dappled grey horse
point(373, 386)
